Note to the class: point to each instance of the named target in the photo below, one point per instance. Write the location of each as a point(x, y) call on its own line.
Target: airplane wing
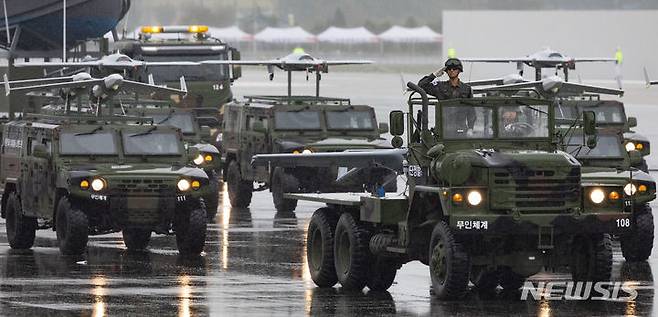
point(169, 63)
point(387, 158)
point(486, 82)
point(58, 64)
point(281, 63)
point(594, 59)
point(47, 86)
point(496, 60)
point(152, 90)
point(647, 80)
point(243, 62)
point(574, 88)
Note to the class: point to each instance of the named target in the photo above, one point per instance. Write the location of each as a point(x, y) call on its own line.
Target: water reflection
point(184, 296)
point(332, 301)
point(98, 293)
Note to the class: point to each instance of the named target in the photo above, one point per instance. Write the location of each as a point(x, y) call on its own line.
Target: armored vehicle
point(491, 199)
point(299, 125)
point(92, 175)
point(609, 162)
point(208, 85)
point(193, 128)
point(610, 115)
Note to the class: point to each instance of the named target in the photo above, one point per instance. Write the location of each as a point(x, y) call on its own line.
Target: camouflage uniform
point(464, 119)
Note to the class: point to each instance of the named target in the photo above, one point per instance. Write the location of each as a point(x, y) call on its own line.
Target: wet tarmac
point(254, 264)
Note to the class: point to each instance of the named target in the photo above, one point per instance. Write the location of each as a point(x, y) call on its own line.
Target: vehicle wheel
point(136, 239)
point(449, 264)
point(320, 247)
point(20, 229)
point(636, 246)
point(283, 183)
point(351, 253)
point(510, 280)
point(591, 258)
point(72, 228)
point(484, 279)
point(239, 190)
point(381, 274)
point(212, 199)
point(191, 232)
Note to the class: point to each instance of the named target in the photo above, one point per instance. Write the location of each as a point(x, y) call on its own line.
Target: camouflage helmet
point(454, 63)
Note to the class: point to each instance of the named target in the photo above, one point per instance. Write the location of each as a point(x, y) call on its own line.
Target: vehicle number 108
point(623, 223)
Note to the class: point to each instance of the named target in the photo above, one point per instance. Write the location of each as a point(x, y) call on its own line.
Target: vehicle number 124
point(623, 223)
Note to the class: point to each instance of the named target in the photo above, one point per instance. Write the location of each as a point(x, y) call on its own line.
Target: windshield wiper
point(100, 127)
point(171, 114)
point(145, 132)
point(531, 107)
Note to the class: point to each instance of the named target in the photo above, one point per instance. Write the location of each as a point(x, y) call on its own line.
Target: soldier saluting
point(464, 119)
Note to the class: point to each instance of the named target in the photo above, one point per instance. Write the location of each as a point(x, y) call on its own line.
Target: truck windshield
point(464, 121)
point(182, 121)
point(297, 120)
point(607, 112)
point(349, 120)
point(191, 73)
point(144, 143)
point(607, 146)
point(99, 143)
point(523, 121)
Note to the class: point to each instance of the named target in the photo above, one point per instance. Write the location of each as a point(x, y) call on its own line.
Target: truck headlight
point(196, 184)
point(474, 198)
point(630, 146)
point(98, 184)
point(597, 196)
point(198, 160)
point(307, 151)
point(183, 185)
point(208, 158)
point(630, 189)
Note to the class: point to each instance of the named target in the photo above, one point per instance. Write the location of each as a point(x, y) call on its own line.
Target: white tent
point(347, 35)
point(400, 34)
point(285, 35)
point(230, 34)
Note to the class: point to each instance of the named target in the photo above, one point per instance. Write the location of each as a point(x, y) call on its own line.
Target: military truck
point(208, 85)
point(609, 162)
point(491, 199)
point(89, 175)
point(299, 125)
point(193, 128)
point(610, 115)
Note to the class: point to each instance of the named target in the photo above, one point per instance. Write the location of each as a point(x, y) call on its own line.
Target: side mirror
point(632, 122)
point(236, 70)
point(396, 119)
point(635, 157)
point(591, 141)
point(259, 127)
point(208, 122)
point(383, 127)
point(40, 151)
point(589, 122)
point(192, 153)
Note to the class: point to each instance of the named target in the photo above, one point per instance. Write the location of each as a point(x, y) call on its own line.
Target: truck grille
point(144, 186)
point(536, 190)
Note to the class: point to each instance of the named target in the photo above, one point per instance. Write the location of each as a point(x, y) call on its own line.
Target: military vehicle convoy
point(610, 162)
point(299, 125)
point(90, 175)
point(491, 203)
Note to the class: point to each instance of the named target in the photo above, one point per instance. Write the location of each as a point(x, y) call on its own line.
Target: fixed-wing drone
point(547, 58)
point(98, 89)
point(551, 87)
point(293, 62)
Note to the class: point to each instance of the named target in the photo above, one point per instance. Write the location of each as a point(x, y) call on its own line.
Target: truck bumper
point(613, 223)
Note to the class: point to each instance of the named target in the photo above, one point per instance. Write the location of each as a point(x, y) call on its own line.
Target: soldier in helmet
point(449, 89)
point(464, 119)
